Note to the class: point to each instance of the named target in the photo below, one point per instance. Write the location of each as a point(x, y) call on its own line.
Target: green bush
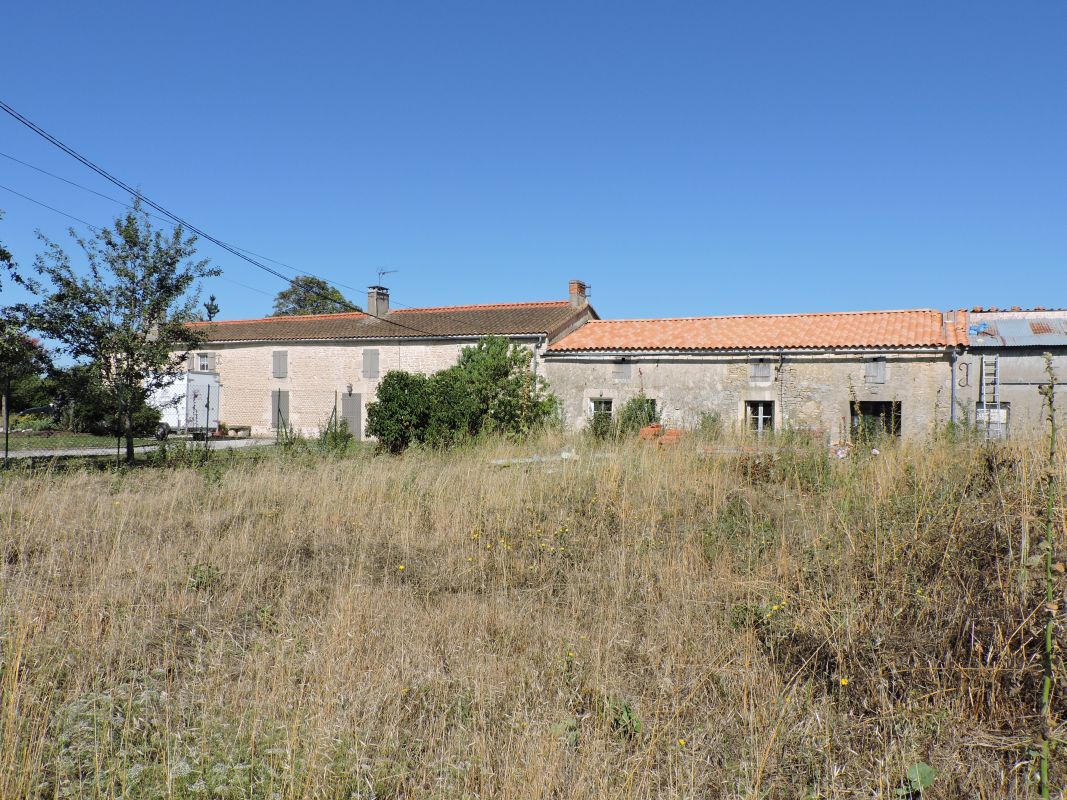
point(492, 389)
point(31, 422)
point(710, 426)
point(636, 413)
point(400, 415)
point(335, 437)
point(601, 425)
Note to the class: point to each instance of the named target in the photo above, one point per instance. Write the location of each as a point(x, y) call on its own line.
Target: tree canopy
point(123, 310)
point(310, 295)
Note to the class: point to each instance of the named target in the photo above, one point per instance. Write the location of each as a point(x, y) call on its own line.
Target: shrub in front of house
point(636, 413)
point(492, 389)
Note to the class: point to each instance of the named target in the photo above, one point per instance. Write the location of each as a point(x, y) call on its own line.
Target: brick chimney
point(377, 301)
point(578, 293)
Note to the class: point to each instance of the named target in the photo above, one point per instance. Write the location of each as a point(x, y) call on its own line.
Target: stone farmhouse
point(293, 372)
point(826, 373)
point(832, 374)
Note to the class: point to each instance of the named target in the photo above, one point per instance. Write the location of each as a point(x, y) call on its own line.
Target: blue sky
point(683, 158)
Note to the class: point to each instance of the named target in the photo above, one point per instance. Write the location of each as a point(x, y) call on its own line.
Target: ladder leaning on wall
point(990, 414)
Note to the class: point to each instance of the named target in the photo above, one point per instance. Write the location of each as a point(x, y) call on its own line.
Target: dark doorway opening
point(875, 418)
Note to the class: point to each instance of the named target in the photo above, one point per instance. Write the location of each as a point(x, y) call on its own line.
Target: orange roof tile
point(853, 329)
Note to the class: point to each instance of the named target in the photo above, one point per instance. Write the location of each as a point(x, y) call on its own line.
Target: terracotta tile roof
point(854, 329)
point(547, 318)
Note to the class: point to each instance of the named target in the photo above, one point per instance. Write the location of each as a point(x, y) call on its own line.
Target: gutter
point(730, 353)
point(386, 342)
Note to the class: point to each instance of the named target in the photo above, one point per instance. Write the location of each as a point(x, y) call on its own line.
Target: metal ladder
point(989, 394)
point(989, 388)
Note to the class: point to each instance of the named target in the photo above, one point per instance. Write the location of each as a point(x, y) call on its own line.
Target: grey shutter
point(875, 370)
point(210, 362)
point(621, 370)
point(370, 363)
point(281, 363)
point(761, 370)
point(279, 408)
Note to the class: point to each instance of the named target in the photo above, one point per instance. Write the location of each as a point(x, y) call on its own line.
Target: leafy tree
point(123, 311)
point(508, 397)
point(310, 295)
point(20, 357)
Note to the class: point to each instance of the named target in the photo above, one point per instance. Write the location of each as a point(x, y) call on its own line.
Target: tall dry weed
point(632, 622)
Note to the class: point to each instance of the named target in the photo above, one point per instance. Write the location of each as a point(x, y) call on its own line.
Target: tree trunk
point(127, 423)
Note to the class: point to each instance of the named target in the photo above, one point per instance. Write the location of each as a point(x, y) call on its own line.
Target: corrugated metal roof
point(993, 330)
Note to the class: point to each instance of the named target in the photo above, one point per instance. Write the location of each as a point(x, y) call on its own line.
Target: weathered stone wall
point(1022, 372)
point(317, 375)
point(808, 391)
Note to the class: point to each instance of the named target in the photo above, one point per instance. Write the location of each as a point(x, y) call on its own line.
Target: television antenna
point(383, 272)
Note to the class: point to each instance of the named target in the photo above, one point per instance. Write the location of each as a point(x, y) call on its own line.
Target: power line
point(50, 208)
point(95, 228)
point(124, 204)
point(177, 219)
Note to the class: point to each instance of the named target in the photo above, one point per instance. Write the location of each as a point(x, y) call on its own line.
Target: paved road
point(215, 444)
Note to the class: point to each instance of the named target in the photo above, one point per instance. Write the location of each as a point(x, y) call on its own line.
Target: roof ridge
point(469, 307)
point(762, 316)
point(285, 318)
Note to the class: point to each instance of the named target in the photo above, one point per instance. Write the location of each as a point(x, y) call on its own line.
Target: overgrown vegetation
point(491, 390)
point(633, 622)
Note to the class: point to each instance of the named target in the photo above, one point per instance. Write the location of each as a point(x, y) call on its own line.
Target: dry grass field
point(634, 622)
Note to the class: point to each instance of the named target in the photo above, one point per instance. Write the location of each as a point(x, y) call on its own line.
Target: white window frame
point(593, 401)
point(203, 362)
point(763, 421)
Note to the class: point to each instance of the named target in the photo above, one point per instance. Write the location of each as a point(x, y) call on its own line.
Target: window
point(874, 370)
point(601, 405)
point(281, 363)
point(370, 364)
point(874, 418)
point(203, 362)
point(760, 416)
point(621, 370)
point(991, 420)
point(761, 370)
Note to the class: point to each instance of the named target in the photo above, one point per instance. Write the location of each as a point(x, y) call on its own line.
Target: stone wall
point(811, 392)
point(1022, 372)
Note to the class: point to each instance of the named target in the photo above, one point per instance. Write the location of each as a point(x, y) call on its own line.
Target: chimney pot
point(578, 292)
point(377, 301)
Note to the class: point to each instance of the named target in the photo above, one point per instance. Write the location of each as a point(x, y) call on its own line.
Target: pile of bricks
point(664, 437)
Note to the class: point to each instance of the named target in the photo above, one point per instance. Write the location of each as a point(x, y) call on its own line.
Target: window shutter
point(875, 370)
point(281, 358)
point(210, 362)
point(761, 370)
point(279, 408)
point(621, 370)
point(370, 363)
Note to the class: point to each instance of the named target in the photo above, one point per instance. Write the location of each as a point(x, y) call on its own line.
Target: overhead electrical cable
point(171, 216)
